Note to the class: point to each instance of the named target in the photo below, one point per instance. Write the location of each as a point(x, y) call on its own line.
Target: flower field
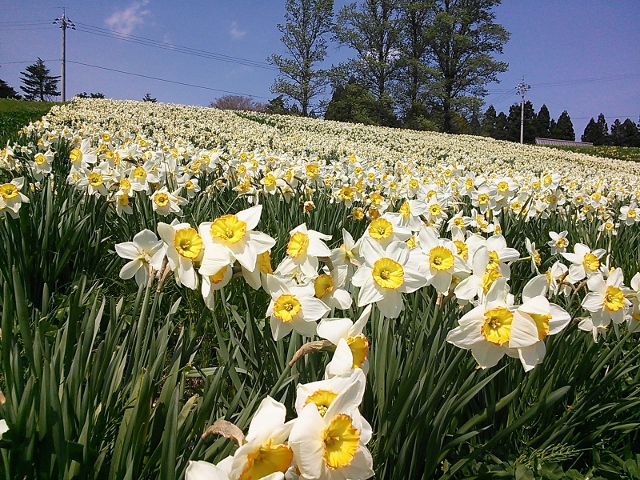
point(192, 293)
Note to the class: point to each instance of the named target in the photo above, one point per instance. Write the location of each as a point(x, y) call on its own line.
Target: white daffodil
point(606, 301)
point(386, 274)
point(303, 249)
point(256, 277)
point(140, 251)
point(489, 329)
point(215, 282)
point(200, 470)
point(265, 452)
point(81, 157)
point(327, 443)
point(328, 287)
point(547, 317)
point(323, 393)
point(408, 215)
point(630, 214)
point(555, 276)
point(558, 242)
point(477, 284)
point(42, 164)
point(230, 238)
point(11, 198)
point(499, 253)
point(165, 202)
point(352, 350)
point(634, 296)
point(293, 307)
point(534, 255)
point(584, 262)
point(442, 261)
point(383, 231)
point(346, 254)
point(184, 247)
point(3, 427)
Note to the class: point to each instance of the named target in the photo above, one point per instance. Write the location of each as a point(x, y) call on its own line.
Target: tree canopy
point(39, 84)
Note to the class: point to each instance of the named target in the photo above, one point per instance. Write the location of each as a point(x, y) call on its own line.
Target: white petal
point(251, 216)
point(127, 250)
point(487, 354)
point(269, 416)
point(333, 329)
point(532, 355)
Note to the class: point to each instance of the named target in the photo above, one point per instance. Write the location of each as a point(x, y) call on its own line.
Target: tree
point(625, 134)
point(354, 103)
point(543, 122)
point(90, 95)
point(462, 38)
point(590, 131)
point(6, 91)
point(603, 130)
point(38, 83)
point(148, 98)
point(563, 129)
point(502, 127)
point(529, 127)
point(373, 31)
point(596, 132)
point(237, 102)
point(488, 126)
point(307, 24)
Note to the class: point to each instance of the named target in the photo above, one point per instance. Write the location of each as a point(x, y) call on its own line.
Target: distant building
point(561, 143)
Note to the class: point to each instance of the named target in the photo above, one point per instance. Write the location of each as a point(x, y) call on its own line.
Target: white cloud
point(125, 21)
point(235, 31)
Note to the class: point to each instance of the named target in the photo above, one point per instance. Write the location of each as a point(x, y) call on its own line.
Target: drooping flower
point(140, 251)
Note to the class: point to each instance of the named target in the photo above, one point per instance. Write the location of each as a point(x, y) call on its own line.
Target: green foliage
point(6, 91)
point(353, 103)
point(39, 84)
point(563, 128)
point(15, 114)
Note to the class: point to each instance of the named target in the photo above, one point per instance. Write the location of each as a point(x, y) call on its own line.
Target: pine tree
point(629, 134)
point(6, 91)
point(488, 126)
point(591, 132)
point(543, 122)
point(603, 131)
point(502, 127)
point(308, 22)
point(564, 128)
point(148, 98)
point(38, 83)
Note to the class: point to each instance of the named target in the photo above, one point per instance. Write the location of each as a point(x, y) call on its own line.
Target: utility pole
point(64, 24)
point(522, 88)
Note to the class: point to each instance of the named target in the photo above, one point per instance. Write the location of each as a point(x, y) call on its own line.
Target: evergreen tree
point(38, 83)
point(514, 120)
point(591, 132)
point(502, 127)
point(307, 24)
point(564, 128)
point(489, 122)
point(6, 91)
point(629, 136)
point(603, 131)
point(543, 122)
point(148, 98)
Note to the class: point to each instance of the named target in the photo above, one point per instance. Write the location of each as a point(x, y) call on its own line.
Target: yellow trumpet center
point(613, 298)
point(161, 199)
point(440, 258)
point(75, 155)
point(494, 260)
point(341, 441)
point(267, 459)
point(488, 279)
point(497, 325)
point(286, 307)
point(322, 399)
point(388, 273)
point(8, 191)
point(188, 243)
point(359, 346)
point(264, 262)
point(323, 285)
point(228, 228)
point(298, 244)
point(380, 229)
point(217, 277)
point(139, 173)
point(405, 210)
point(95, 179)
point(542, 324)
point(590, 262)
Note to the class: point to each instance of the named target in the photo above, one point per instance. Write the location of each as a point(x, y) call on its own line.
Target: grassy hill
point(15, 114)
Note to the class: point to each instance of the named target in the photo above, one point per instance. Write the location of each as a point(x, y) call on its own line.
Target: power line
point(92, 29)
point(163, 79)
point(28, 61)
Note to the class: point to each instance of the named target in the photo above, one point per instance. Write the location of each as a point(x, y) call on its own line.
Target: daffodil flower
point(558, 242)
point(327, 443)
point(232, 237)
point(200, 470)
point(606, 301)
point(184, 247)
point(265, 452)
point(303, 249)
point(386, 274)
point(584, 262)
point(140, 251)
point(491, 328)
point(11, 198)
point(442, 261)
point(215, 282)
point(547, 317)
point(352, 350)
point(293, 307)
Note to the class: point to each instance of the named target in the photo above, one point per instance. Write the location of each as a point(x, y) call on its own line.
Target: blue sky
point(580, 55)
